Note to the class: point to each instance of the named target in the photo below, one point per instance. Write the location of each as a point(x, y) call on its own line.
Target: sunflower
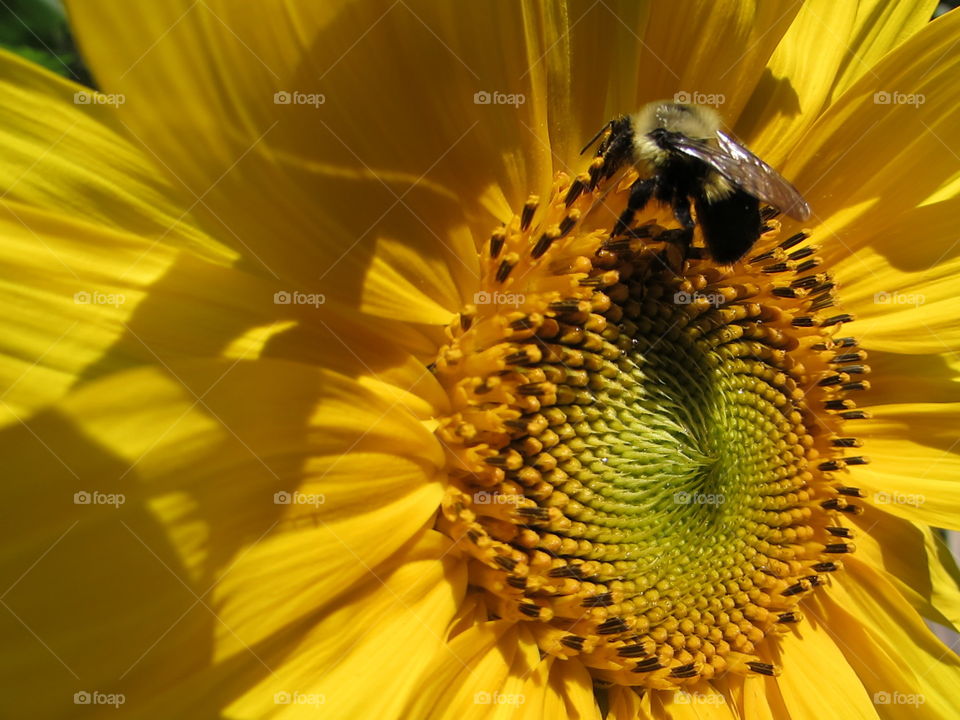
point(329, 391)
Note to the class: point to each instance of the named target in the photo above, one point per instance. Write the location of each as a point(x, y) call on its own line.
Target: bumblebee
point(684, 157)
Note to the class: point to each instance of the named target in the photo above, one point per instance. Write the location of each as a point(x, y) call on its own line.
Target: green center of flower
point(644, 453)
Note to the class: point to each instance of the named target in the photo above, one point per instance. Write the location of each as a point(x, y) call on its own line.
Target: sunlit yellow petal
point(905, 307)
point(697, 702)
point(898, 116)
point(310, 158)
point(797, 84)
point(913, 558)
point(914, 468)
point(880, 27)
point(409, 600)
point(808, 690)
point(193, 493)
point(67, 152)
point(90, 301)
point(716, 49)
point(906, 670)
point(306, 451)
point(626, 704)
point(480, 674)
point(76, 288)
point(762, 699)
point(394, 286)
point(557, 688)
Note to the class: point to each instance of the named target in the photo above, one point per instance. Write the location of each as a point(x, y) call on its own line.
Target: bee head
point(694, 121)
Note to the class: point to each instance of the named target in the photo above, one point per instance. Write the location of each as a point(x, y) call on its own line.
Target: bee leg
point(678, 242)
point(640, 193)
point(681, 211)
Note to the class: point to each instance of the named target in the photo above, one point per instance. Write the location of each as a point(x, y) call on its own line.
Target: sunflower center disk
point(645, 449)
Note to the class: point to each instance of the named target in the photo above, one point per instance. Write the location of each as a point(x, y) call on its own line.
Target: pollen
point(647, 452)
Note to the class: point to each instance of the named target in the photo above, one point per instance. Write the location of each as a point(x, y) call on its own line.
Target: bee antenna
point(596, 137)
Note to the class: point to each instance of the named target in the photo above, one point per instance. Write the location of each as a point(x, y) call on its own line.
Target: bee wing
point(763, 181)
point(747, 171)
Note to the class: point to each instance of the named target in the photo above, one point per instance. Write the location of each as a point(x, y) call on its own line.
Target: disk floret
point(645, 448)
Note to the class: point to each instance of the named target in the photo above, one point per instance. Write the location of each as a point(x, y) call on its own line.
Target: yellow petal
point(904, 306)
point(873, 157)
point(481, 674)
point(880, 27)
point(914, 466)
point(716, 49)
point(394, 286)
point(913, 378)
point(90, 301)
point(828, 46)
point(66, 152)
point(906, 670)
point(306, 188)
point(405, 603)
point(618, 56)
point(695, 702)
point(762, 699)
point(74, 288)
point(912, 558)
point(816, 673)
point(627, 704)
point(558, 689)
point(178, 552)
